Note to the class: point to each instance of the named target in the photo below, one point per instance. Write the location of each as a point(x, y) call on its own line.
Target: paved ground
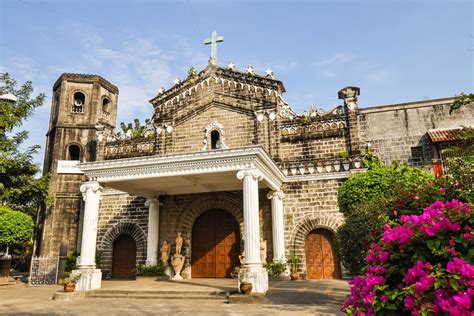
point(322, 297)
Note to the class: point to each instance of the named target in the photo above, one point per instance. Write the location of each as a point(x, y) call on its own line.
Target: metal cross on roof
point(213, 41)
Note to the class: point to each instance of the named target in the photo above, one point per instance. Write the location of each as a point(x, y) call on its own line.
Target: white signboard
point(68, 166)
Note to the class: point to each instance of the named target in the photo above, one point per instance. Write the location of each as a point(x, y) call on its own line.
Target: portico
point(247, 169)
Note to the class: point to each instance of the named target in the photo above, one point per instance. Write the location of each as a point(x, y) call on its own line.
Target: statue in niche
point(179, 243)
point(263, 251)
point(165, 252)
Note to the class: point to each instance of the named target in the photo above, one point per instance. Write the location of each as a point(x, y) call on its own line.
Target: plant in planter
point(275, 268)
point(241, 272)
point(293, 262)
point(70, 285)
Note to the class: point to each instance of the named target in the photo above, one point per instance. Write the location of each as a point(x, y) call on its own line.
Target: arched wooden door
point(215, 245)
point(322, 261)
point(124, 258)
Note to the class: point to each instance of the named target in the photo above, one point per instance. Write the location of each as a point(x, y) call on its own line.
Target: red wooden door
point(322, 261)
point(215, 245)
point(124, 258)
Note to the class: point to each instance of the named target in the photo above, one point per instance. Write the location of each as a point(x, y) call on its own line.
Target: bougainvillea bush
point(422, 265)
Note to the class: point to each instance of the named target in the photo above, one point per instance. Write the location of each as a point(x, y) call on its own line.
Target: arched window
point(215, 140)
point(106, 106)
point(79, 100)
point(74, 152)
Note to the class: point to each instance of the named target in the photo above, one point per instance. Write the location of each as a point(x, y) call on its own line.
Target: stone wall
point(393, 130)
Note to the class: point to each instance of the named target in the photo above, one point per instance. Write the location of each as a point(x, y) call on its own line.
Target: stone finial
point(161, 90)
point(350, 97)
point(231, 66)
point(250, 69)
point(269, 73)
point(177, 81)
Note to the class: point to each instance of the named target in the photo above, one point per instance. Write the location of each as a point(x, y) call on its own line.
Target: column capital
point(276, 194)
point(254, 173)
point(152, 202)
point(93, 186)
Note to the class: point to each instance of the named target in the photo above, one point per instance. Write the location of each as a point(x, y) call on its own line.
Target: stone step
point(160, 294)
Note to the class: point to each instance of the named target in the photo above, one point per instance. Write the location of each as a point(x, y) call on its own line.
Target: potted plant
point(70, 285)
point(293, 262)
point(241, 272)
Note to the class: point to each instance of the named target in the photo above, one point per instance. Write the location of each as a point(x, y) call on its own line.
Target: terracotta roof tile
point(445, 134)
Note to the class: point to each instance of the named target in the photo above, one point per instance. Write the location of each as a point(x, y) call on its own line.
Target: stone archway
point(124, 256)
point(326, 221)
point(322, 260)
point(105, 245)
point(228, 201)
point(215, 244)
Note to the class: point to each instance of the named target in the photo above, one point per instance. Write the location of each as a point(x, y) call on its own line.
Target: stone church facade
point(226, 162)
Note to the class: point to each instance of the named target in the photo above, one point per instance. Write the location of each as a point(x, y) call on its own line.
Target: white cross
point(213, 41)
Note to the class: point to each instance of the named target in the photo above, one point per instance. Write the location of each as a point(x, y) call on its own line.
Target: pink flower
point(408, 302)
point(442, 191)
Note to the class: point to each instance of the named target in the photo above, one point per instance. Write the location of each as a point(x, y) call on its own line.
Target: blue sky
point(395, 51)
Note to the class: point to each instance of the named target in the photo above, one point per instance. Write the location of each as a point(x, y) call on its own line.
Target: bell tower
point(82, 105)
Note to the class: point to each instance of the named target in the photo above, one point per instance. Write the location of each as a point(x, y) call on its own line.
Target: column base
point(258, 276)
point(91, 279)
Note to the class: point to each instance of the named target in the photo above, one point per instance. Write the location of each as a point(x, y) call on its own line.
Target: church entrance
point(124, 258)
point(322, 261)
point(215, 245)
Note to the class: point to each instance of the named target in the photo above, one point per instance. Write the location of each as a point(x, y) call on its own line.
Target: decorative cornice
point(214, 161)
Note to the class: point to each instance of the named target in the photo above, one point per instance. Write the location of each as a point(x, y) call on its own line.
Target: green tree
point(136, 129)
point(16, 228)
point(19, 187)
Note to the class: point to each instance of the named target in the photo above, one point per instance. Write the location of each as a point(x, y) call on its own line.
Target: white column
point(257, 274)
point(91, 195)
point(153, 231)
point(278, 231)
point(90, 276)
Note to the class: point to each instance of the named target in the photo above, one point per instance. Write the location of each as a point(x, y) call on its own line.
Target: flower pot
point(295, 276)
point(246, 288)
point(69, 287)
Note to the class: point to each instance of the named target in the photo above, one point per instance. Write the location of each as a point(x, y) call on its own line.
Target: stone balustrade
point(128, 148)
point(299, 168)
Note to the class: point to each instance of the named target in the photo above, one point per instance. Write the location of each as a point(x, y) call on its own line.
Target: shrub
point(275, 268)
point(380, 183)
point(16, 228)
point(420, 265)
point(158, 270)
point(354, 237)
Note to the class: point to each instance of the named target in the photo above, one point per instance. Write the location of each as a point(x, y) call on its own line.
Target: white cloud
point(335, 58)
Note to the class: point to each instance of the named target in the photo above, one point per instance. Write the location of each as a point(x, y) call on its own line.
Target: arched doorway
point(124, 258)
point(322, 261)
point(215, 245)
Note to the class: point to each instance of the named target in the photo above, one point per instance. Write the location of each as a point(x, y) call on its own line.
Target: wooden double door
point(215, 245)
point(322, 261)
point(124, 258)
